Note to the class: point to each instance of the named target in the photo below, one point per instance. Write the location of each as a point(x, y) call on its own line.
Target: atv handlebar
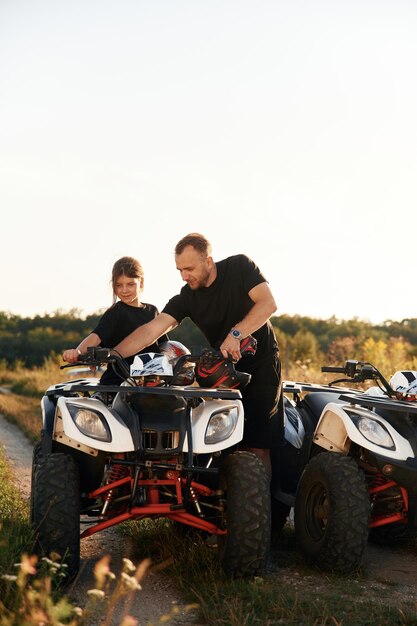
point(350, 368)
point(95, 357)
point(359, 372)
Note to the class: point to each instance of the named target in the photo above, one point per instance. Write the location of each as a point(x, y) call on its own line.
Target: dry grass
point(25, 412)
point(25, 388)
point(33, 381)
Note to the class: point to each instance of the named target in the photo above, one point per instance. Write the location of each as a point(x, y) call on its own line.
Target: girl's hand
point(71, 356)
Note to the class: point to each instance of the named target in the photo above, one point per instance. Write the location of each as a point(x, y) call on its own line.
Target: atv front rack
point(184, 392)
point(378, 402)
point(296, 388)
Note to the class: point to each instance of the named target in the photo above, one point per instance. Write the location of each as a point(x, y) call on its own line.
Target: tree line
point(307, 341)
point(302, 340)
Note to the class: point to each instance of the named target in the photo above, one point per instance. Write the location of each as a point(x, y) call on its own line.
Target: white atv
point(155, 446)
point(348, 465)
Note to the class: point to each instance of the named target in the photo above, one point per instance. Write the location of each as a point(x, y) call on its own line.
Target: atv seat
point(317, 401)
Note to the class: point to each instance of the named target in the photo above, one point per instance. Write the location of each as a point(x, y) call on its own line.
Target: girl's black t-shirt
point(117, 323)
point(218, 308)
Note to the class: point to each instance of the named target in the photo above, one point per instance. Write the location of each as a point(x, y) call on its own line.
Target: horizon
point(80, 314)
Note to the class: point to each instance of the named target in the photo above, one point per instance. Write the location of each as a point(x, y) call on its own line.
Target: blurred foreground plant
point(38, 602)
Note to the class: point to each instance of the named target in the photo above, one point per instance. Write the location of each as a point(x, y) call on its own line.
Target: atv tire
point(244, 549)
point(36, 456)
point(332, 511)
point(55, 513)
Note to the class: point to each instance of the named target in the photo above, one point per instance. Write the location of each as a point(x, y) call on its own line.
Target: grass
point(21, 405)
point(15, 534)
point(24, 412)
point(295, 594)
point(31, 592)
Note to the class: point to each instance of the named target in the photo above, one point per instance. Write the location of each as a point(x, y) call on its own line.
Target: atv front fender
point(66, 431)
point(336, 431)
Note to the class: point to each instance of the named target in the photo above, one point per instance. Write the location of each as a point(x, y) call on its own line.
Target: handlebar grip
point(334, 370)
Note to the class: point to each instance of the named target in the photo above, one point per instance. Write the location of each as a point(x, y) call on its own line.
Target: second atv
point(349, 464)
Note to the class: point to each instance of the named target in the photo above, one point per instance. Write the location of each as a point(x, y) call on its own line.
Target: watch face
point(236, 333)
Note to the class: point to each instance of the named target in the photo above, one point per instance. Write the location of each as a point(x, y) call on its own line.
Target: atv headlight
point(221, 425)
point(375, 432)
point(90, 422)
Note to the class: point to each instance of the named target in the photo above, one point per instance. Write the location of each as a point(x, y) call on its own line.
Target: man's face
point(197, 270)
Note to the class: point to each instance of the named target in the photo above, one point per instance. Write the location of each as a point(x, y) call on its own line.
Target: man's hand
point(231, 347)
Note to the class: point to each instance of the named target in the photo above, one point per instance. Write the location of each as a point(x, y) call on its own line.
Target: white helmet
point(405, 383)
point(151, 364)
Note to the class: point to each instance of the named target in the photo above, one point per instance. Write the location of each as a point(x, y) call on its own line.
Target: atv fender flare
point(48, 414)
point(331, 432)
point(336, 432)
point(66, 431)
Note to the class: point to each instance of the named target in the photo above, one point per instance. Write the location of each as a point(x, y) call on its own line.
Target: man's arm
point(264, 306)
point(146, 335)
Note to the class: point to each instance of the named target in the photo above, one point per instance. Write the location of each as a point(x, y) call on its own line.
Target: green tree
point(304, 348)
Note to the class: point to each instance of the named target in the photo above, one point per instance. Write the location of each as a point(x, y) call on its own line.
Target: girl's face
point(128, 289)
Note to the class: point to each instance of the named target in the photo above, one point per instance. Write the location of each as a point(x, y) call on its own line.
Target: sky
point(283, 129)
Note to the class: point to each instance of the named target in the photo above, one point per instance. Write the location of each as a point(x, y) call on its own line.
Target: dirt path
point(158, 596)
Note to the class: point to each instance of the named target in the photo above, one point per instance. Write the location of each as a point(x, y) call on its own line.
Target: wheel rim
point(317, 511)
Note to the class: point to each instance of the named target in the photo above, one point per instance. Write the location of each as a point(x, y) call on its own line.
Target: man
point(228, 301)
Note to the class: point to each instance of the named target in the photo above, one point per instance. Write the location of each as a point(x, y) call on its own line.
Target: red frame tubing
point(154, 508)
point(110, 486)
point(383, 520)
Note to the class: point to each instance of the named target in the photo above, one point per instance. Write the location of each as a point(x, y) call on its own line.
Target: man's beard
point(201, 282)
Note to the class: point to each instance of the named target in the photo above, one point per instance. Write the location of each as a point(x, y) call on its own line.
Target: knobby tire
point(245, 548)
point(56, 509)
point(332, 512)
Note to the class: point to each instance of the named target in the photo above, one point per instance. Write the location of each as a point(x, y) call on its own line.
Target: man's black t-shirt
point(218, 308)
point(117, 323)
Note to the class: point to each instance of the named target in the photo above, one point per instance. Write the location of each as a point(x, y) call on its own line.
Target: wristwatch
point(236, 334)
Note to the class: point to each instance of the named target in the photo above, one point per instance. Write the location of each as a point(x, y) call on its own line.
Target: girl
point(122, 318)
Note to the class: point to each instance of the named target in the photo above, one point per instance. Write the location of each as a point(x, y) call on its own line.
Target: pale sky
point(282, 129)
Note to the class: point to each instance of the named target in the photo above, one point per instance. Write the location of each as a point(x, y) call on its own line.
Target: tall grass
point(24, 389)
point(15, 534)
point(32, 382)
